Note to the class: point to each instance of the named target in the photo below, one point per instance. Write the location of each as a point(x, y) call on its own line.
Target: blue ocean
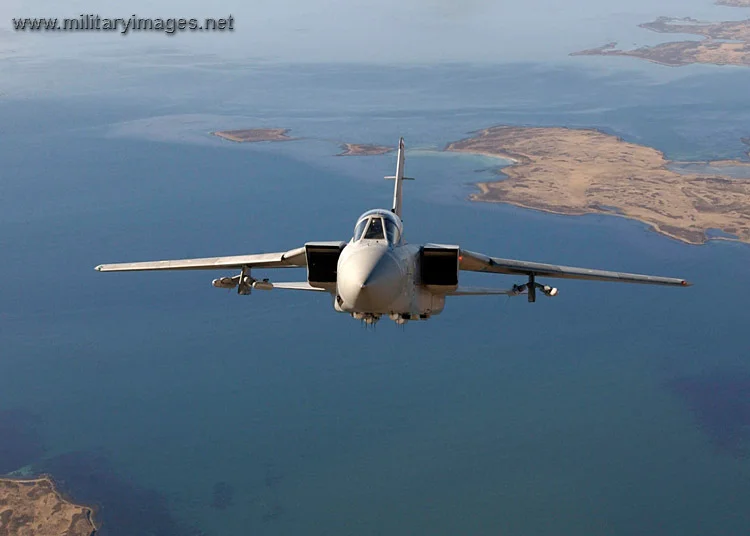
point(177, 408)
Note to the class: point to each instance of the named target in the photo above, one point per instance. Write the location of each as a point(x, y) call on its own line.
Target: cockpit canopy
point(378, 225)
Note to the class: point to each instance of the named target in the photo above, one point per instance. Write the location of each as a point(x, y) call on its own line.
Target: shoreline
point(62, 497)
point(723, 43)
point(483, 186)
point(574, 172)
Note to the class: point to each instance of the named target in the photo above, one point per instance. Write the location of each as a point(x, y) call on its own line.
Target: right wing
point(288, 259)
point(477, 262)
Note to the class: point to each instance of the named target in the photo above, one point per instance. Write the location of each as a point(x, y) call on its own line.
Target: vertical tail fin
point(398, 177)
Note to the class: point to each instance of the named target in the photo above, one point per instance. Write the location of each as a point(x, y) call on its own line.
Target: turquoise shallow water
point(180, 408)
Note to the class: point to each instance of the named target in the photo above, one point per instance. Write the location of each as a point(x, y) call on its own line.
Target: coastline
point(578, 176)
point(724, 42)
point(62, 500)
point(483, 187)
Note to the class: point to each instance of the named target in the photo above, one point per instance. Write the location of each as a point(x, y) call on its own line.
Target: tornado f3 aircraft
point(378, 273)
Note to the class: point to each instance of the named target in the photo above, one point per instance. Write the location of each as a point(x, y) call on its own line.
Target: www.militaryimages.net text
point(93, 22)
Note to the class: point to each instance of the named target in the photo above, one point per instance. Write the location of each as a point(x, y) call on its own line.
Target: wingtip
point(686, 283)
point(99, 268)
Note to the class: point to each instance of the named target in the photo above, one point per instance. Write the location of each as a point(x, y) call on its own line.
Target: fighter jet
point(378, 273)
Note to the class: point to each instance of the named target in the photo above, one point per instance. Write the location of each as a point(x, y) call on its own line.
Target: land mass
point(585, 171)
point(724, 43)
point(363, 149)
point(734, 3)
point(35, 508)
point(250, 135)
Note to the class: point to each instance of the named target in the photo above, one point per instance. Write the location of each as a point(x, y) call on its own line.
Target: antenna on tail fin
point(398, 177)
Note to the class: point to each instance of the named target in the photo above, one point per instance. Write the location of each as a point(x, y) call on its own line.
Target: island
point(724, 43)
point(586, 171)
point(734, 3)
point(251, 135)
point(34, 507)
point(363, 149)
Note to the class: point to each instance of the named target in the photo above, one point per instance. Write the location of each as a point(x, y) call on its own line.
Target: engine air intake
point(439, 265)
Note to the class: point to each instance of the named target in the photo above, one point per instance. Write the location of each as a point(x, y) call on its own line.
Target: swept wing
point(286, 259)
point(477, 262)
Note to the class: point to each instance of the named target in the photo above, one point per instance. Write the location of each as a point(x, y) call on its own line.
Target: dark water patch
point(122, 507)
point(272, 476)
point(20, 441)
point(222, 495)
point(720, 403)
point(268, 504)
point(271, 511)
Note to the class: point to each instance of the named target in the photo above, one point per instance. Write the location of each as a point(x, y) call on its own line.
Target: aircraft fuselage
point(375, 277)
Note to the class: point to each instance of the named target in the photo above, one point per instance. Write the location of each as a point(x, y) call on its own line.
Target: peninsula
point(724, 43)
point(363, 149)
point(584, 171)
point(250, 135)
point(34, 507)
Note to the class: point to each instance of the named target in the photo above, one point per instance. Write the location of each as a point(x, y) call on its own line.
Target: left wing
point(476, 262)
point(291, 258)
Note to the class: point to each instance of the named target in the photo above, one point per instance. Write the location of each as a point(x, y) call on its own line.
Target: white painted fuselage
point(380, 276)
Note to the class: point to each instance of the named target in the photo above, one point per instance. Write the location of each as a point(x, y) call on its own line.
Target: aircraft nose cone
point(369, 280)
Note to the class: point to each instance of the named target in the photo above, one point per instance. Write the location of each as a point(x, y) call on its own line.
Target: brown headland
point(35, 508)
point(585, 171)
